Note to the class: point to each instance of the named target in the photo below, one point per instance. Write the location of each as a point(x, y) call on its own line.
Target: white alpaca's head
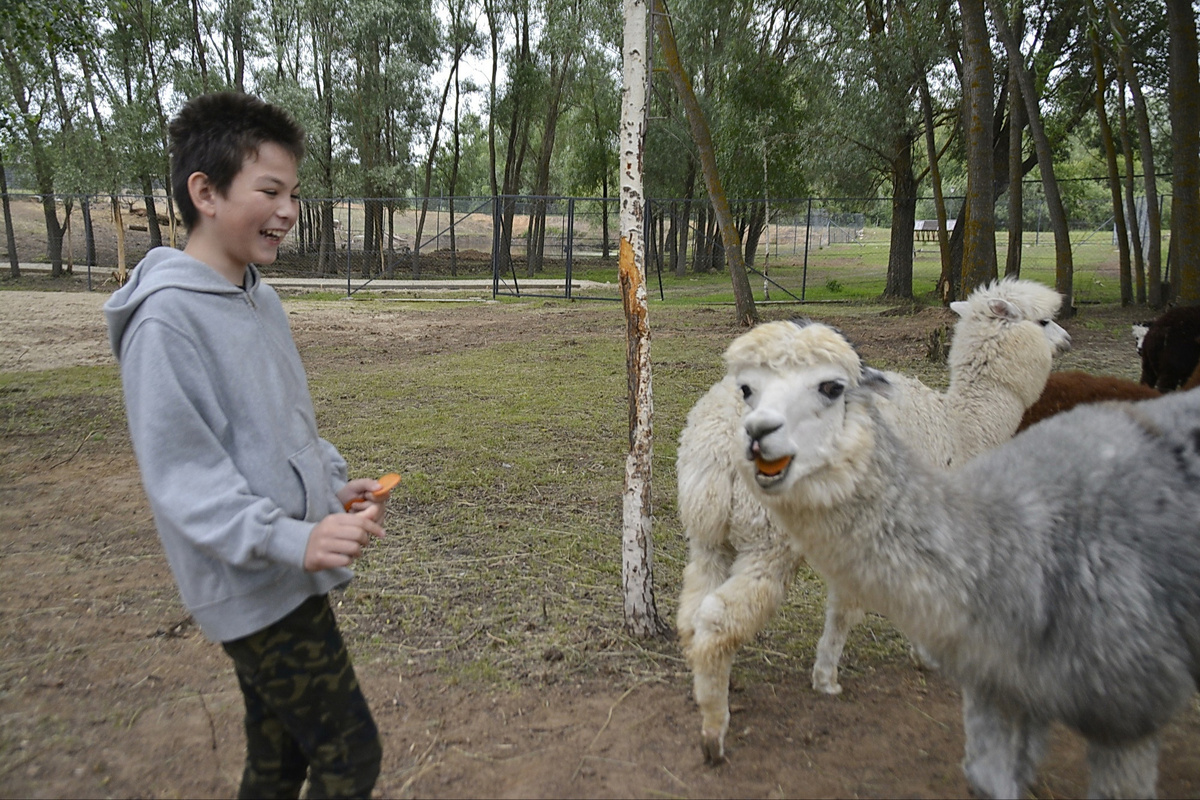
point(1011, 301)
point(1006, 334)
point(1140, 330)
point(799, 381)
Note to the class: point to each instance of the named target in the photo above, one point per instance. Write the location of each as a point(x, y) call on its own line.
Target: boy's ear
point(203, 193)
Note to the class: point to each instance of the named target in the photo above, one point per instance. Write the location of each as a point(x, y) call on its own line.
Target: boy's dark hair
point(215, 133)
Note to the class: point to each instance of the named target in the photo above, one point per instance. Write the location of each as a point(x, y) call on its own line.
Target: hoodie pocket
point(310, 470)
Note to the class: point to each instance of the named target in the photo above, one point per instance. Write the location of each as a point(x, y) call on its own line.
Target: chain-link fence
point(800, 249)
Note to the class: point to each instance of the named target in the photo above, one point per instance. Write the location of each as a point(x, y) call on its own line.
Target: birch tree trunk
point(637, 551)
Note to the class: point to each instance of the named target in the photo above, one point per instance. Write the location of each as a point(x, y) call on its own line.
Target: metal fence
point(541, 246)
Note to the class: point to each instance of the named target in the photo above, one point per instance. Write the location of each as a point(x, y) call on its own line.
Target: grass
point(503, 559)
point(504, 556)
point(50, 412)
point(853, 272)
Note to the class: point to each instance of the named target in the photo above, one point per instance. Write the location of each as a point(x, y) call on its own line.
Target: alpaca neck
point(889, 541)
point(985, 412)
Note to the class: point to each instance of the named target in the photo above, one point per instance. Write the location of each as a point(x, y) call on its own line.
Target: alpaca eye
point(831, 389)
point(1044, 322)
point(745, 391)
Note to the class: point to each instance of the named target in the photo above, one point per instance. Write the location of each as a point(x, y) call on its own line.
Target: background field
point(487, 627)
point(853, 267)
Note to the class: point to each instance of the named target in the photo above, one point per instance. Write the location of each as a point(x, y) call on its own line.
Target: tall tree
point(27, 35)
point(1125, 270)
point(1016, 156)
point(637, 543)
point(1064, 260)
point(1154, 290)
point(10, 238)
point(979, 223)
point(743, 296)
point(1184, 94)
point(1131, 214)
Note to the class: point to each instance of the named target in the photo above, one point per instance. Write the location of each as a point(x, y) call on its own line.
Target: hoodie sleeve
point(178, 430)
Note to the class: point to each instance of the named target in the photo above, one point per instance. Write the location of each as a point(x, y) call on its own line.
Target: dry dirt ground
point(107, 690)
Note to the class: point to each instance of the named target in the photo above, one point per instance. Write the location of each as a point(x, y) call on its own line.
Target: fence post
point(807, 232)
point(349, 242)
point(495, 246)
point(570, 234)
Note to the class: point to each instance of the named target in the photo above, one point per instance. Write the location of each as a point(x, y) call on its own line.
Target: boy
point(247, 498)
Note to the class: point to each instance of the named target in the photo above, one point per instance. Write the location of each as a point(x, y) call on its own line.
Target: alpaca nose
point(760, 427)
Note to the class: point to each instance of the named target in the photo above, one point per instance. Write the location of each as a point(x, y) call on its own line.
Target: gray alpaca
point(1056, 577)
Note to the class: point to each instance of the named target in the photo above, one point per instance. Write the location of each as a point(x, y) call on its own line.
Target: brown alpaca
point(1069, 388)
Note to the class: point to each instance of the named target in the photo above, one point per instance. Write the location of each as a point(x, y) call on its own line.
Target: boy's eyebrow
point(280, 182)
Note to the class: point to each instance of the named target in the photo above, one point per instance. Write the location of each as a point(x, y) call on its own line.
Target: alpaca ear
point(874, 380)
point(1002, 309)
point(960, 307)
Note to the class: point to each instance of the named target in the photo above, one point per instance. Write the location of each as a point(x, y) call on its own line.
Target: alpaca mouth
point(771, 472)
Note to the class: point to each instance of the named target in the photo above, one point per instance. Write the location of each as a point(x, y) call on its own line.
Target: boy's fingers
point(370, 525)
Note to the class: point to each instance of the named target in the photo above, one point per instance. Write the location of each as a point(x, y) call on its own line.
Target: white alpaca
point(739, 568)
point(1055, 577)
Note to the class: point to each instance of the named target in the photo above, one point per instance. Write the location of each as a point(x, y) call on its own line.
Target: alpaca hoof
point(826, 685)
point(713, 749)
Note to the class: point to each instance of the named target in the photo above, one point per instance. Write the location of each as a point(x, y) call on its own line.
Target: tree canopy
point(893, 99)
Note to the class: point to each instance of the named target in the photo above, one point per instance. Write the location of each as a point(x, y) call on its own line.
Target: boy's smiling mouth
point(274, 234)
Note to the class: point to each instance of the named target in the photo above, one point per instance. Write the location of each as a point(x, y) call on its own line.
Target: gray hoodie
point(223, 428)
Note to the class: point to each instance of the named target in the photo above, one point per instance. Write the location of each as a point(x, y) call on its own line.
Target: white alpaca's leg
point(707, 570)
point(1002, 752)
point(841, 615)
point(711, 657)
point(724, 621)
point(1129, 770)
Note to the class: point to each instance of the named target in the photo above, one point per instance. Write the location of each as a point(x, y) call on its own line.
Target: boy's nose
point(289, 209)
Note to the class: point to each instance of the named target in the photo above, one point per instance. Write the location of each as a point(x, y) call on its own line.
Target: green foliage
point(803, 97)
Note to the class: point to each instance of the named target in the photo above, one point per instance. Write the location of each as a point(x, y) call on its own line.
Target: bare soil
point(108, 690)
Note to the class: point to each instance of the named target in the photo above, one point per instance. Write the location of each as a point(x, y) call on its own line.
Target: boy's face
point(247, 223)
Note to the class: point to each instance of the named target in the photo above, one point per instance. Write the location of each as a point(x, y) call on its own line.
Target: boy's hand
point(339, 539)
point(359, 495)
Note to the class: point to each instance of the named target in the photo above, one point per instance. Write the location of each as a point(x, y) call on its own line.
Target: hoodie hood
point(165, 268)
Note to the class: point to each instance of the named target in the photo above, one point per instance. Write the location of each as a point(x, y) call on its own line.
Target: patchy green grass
point(48, 414)
point(503, 555)
point(508, 422)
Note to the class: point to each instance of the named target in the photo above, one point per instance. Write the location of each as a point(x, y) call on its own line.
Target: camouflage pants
point(306, 716)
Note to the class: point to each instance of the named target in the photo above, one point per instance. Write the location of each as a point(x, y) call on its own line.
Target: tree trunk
point(560, 77)
point(1184, 93)
point(935, 180)
point(904, 213)
point(89, 234)
point(699, 261)
point(433, 146)
point(637, 544)
point(1155, 295)
point(1016, 165)
point(152, 226)
point(1064, 261)
point(1114, 173)
point(979, 232)
point(198, 45)
point(1131, 216)
point(456, 157)
point(14, 264)
point(742, 294)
